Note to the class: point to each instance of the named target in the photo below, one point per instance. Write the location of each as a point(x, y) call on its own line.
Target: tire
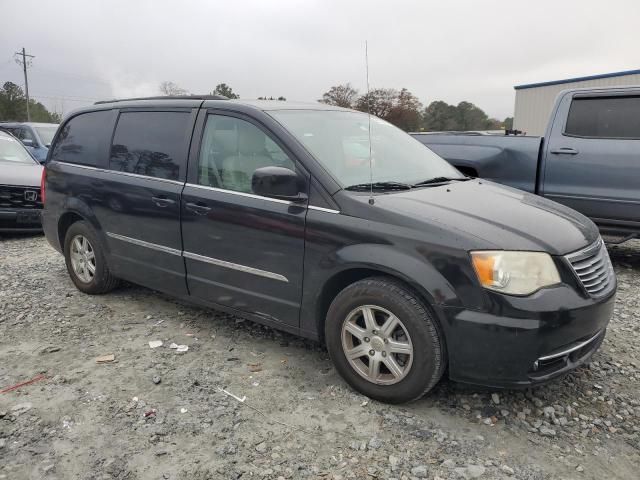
point(96, 282)
point(413, 374)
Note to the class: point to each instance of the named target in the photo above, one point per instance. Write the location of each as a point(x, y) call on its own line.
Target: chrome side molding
point(142, 243)
point(235, 266)
point(200, 258)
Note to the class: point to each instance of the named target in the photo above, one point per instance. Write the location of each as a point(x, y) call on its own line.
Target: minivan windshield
point(11, 150)
point(46, 134)
point(339, 140)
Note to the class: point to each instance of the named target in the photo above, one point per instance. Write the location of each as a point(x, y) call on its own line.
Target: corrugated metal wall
point(534, 105)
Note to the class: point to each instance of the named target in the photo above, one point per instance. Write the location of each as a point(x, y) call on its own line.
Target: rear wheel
point(383, 340)
point(85, 260)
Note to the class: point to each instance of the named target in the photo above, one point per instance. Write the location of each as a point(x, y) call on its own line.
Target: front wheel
point(383, 340)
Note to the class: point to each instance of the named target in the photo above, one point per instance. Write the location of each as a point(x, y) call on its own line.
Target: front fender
point(412, 269)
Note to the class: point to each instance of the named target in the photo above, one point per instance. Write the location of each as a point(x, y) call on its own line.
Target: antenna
point(366, 61)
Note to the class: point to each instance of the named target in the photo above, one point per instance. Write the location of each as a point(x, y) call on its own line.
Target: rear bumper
point(20, 220)
point(525, 341)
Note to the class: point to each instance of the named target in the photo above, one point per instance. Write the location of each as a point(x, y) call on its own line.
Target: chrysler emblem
point(30, 195)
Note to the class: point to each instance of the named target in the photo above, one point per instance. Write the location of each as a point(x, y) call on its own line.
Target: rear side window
point(84, 139)
point(604, 117)
point(153, 144)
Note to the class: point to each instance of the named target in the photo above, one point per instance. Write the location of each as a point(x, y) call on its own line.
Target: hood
point(22, 174)
point(499, 217)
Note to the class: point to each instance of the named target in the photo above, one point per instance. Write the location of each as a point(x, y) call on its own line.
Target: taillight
point(42, 182)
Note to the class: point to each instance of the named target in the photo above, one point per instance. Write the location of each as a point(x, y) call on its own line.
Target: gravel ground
point(159, 414)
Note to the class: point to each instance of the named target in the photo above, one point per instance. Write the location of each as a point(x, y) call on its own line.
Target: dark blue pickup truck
point(588, 159)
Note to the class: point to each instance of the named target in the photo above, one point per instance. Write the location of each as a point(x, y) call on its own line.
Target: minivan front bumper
point(524, 341)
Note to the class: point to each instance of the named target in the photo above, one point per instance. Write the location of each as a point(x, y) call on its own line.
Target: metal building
point(534, 101)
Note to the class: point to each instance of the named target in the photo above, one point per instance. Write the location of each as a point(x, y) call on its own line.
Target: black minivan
point(333, 225)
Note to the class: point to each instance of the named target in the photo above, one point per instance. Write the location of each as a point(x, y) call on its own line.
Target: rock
point(108, 358)
point(495, 398)
point(475, 471)
point(21, 408)
point(156, 379)
point(419, 471)
point(261, 447)
point(375, 443)
point(393, 462)
point(547, 432)
point(507, 469)
point(449, 463)
point(579, 468)
point(549, 412)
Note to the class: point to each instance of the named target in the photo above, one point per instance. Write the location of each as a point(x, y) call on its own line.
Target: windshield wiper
point(439, 180)
point(364, 187)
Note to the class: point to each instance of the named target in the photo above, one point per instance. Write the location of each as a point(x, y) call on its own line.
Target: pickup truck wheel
point(383, 341)
point(85, 260)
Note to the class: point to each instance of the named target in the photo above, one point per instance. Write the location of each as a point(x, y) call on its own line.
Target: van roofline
point(165, 97)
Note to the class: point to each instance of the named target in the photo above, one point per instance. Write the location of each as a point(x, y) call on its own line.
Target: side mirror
point(277, 182)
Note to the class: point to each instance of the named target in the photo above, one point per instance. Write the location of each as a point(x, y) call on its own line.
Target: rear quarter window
point(604, 117)
point(154, 144)
point(85, 139)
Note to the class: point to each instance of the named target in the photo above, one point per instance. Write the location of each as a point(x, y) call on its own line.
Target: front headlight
point(515, 273)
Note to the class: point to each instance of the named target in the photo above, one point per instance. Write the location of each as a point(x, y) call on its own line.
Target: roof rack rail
point(166, 97)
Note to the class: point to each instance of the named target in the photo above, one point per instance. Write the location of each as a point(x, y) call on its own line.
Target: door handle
point(565, 151)
point(163, 201)
point(197, 208)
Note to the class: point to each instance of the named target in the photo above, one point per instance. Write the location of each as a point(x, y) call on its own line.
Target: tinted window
point(151, 143)
point(232, 149)
point(606, 117)
point(83, 139)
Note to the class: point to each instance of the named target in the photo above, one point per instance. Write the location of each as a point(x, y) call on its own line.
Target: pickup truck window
point(604, 117)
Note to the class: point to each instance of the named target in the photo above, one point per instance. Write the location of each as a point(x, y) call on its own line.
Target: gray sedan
point(20, 197)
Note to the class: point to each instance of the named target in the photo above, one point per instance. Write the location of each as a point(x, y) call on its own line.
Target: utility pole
point(24, 61)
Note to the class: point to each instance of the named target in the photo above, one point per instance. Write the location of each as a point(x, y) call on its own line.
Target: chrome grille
point(593, 268)
point(14, 197)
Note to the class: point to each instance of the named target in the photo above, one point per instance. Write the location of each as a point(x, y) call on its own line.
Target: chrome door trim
point(242, 194)
point(322, 209)
point(142, 243)
point(124, 174)
point(235, 266)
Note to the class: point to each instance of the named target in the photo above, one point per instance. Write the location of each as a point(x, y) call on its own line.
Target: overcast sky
point(451, 51)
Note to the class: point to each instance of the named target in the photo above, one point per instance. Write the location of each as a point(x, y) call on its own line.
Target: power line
point(26, 81)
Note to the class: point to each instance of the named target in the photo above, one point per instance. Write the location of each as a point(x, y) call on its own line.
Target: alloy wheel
point(83, 258)
point(377, 345)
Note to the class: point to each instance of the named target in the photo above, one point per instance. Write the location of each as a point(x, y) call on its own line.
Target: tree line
point(404, 109)
point(399, 107)
point(13, 106)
